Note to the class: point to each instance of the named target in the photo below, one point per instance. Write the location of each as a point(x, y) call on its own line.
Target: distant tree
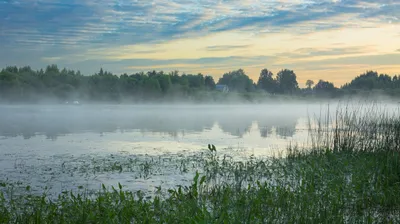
point(385, 81)
point(11, 69)
point(52, 69)
point(128, 85)
point(64, 91)
point(371, 80)
point(287, 81)
point(152, 74)
point(184, 80)
point(324, 86)
point(26, 69)
point(165, 82)
point(368, 80)
point(237, 81)
point(174, 76)
point(196, 81)
point(266, 81)
point(209, 82)
point(152, 87)
point(395, 82)
point(309, 83)
point(9, 85)
point(25, 84)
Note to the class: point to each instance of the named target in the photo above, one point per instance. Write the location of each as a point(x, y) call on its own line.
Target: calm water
point(63, 147)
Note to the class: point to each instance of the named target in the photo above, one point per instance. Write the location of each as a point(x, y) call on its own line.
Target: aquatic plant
point(351, 174)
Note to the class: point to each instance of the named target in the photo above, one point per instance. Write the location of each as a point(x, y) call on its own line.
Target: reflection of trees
point(173, 122)
point(61, 120)
point(283, 124)
point(286, 130)
point(53, 121)
point(236, 124)
point(265, 131)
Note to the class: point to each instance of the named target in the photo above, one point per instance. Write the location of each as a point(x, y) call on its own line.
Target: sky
point(333, 40)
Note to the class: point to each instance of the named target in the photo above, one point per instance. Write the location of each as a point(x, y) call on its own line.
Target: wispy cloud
point(189, 65)
point(312, 52)
point(126, 22)
point(368, 60)
point(70, 32)
point(226, 47)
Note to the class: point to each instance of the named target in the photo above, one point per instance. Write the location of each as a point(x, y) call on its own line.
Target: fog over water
point(52, 145)
point(219, 125)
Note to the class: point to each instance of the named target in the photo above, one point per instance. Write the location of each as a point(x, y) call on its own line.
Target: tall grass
point(356, 128)
point(350, 175)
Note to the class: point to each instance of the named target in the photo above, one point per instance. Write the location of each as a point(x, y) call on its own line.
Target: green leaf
point(203, 178)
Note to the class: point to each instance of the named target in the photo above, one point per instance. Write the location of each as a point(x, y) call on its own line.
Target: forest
point(25, 85)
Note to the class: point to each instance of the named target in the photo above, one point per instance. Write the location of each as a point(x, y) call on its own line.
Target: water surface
point(63, 147)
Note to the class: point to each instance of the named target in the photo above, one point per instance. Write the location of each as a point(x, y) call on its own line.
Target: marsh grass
point(357, 127)
point(351, 174)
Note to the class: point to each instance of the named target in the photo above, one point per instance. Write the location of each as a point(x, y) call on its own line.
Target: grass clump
point(350, 175)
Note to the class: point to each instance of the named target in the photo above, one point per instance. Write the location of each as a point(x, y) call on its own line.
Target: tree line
point(24, 84)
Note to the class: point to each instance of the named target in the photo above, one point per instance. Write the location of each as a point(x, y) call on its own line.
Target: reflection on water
point(61, 146)
point(54, 121)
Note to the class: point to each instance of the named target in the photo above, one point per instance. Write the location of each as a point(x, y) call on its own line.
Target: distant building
point(222, 88)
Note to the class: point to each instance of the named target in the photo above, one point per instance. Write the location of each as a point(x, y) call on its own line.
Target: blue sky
point(332, 40)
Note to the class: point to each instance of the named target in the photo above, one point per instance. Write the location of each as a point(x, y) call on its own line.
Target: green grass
point(350, 175)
